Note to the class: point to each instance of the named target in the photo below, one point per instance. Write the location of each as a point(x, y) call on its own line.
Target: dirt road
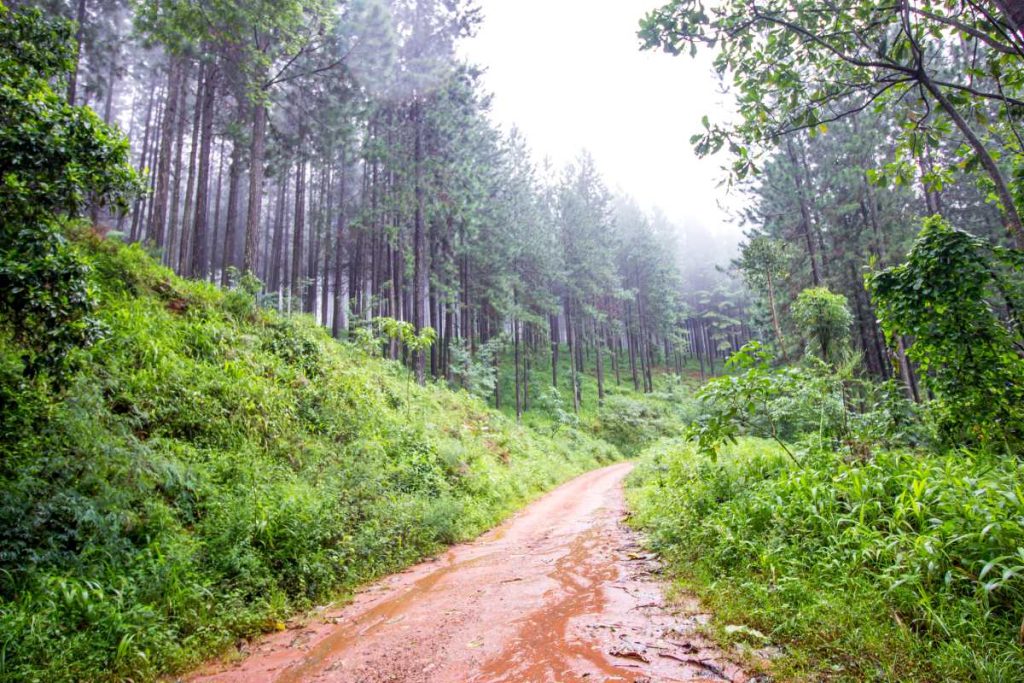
point(560, 592)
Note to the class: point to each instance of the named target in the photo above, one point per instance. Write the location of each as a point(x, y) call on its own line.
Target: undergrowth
point(212, 467)
point(902, 566)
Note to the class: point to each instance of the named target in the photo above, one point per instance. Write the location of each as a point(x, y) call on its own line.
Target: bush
point(54, 160)
point(212, 467)
point(913, 562)
point(632, 423)
point(948, 298)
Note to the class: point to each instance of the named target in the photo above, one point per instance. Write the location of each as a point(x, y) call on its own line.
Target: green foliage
point(476, 372)
point(902, 567)
point(825, 319)
point(54, 159)
point(812, 401)
point(798, 68)
point(405, 333)
point(633, 423)
point(212, 467)
point(554, 404)
point(947, 298)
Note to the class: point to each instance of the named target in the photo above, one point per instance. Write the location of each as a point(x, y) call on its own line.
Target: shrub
point(54, 159)
point(212, 467)
point(632, 423)
point(945, 298)
point(921, 557)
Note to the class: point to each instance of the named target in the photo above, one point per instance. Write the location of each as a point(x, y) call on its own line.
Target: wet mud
point(563, 591)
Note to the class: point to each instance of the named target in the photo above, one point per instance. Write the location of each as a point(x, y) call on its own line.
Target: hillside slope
point(212, 467)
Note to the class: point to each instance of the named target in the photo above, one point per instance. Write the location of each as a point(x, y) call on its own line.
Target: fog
point(571, 75)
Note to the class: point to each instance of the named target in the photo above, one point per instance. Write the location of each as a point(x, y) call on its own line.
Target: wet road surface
point(560, 592)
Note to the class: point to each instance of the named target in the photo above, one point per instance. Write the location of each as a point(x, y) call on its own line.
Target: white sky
point(571, 76)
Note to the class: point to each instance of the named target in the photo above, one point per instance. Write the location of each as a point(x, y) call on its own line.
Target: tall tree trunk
point(154, 147)
point(187, 232)
point(419, 240)
point(219, 230)
point(300, 226)
point(325, 299)
point(80, 17)
point(201, 237)
point(276, 276)
point(158, 222)
point(570, 329)
point(256, 154)
point(805, 212)
point(108, 97)
point(312, 262)
point(230, 252)
point(173, 239)
point(340, 322)
point(555, 342)
point(140, 203)
point(518, 360)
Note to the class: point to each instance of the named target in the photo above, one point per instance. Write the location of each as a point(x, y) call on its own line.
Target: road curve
point(559, 592)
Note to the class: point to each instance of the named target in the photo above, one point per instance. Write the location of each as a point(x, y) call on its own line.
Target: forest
point(284, 310)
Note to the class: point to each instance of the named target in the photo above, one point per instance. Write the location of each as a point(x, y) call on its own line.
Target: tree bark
point(172, 238)
point(201, 237)
point(419, 240)
point(158, 222)
point(299, 228)
point(186, 247)
point(229, 256)
point(80, 16)
point(256, 153)
point(805, 213)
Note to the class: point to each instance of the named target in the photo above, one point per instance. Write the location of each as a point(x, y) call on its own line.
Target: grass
point(905, 566)
point(214, 467)
point(627, 418)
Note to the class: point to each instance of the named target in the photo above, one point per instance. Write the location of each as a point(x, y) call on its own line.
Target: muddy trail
point(561, 592)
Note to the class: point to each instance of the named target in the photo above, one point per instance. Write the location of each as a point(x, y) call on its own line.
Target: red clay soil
point(561, 592)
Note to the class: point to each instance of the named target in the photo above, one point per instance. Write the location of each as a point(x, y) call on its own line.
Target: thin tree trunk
point(419, 242)
point(158, 222)
point(80, 16)
point(256, 154)
point(775, 315)
point(277, 250)
point(573, 373)
point(201, 237)
point(187, 232)
point(172, 240)
point(519, 391)
point(805, 214)
point(219, 231)
point(300, 226)
point(139, 204)
point(340, 322)
point(555, 341)
point(312, 261)
point(230, 250)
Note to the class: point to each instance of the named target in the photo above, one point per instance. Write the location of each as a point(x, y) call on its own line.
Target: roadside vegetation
point(905, 566)
point(829, 432)
point(872, 537)
point(852, 488)
point(210, 467)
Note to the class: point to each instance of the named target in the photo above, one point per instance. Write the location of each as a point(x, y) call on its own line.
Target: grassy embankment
point(213, 467)
point(905, 566)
